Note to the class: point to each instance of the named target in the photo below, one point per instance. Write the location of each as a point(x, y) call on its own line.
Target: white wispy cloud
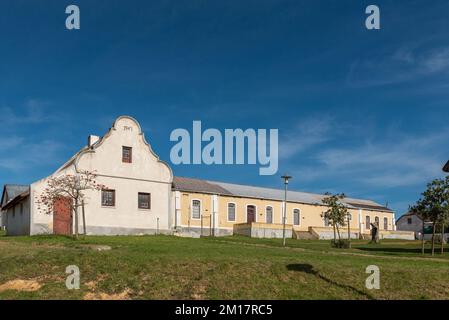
point(24, 143)
point(393, 161)
point(406, 63)
point(33, 111)
point(20, 154)
point(307, 133)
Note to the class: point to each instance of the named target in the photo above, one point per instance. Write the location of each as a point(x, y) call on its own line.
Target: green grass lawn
point(165, 267)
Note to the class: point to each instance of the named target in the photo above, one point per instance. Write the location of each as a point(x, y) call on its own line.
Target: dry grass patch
point(125, 295)
point(21, 285)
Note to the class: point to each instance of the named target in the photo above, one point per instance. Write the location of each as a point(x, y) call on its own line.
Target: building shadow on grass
point(308, 269)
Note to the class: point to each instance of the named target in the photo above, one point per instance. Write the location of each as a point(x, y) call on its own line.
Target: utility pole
point(286, 178)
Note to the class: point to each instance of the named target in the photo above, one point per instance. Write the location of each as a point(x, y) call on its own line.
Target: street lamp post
point(286, 178)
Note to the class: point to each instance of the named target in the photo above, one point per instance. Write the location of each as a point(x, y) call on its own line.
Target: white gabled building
point(125, 163)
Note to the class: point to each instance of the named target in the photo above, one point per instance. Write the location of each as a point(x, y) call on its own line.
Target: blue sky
point(361, 112)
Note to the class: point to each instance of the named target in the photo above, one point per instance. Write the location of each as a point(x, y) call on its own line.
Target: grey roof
point(197, 185)
point(17, 199)
point(10, 191)
point(223, 188)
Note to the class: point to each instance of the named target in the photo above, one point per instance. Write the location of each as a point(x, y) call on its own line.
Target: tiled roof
point(223, 188)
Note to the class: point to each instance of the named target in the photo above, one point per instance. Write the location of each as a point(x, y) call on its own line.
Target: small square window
point(144, 200)
point(127, 154)
point(409, 220)
point(108, 198)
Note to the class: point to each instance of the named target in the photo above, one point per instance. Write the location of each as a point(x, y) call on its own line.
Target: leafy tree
point(336, 213)
point(444, 222)
point(70, 187)
point(433, 206)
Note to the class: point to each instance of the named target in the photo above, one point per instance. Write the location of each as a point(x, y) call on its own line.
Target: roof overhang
point(16, 200)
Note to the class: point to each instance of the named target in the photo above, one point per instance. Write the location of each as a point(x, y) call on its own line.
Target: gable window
point(409, 220)
point(127, 154)
point(368, 223)
point(231, 211)
point(269, 214)
point(196, 209)
point(296, 217)
point(385, 223)
point(144, 200)
point(108, 198)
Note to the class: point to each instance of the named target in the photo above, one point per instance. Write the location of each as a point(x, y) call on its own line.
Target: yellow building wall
point(186, 209)
point(310, 215)
point(241, 205)
point(373, 214)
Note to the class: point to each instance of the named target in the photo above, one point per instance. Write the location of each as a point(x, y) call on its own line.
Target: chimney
point(92, 139)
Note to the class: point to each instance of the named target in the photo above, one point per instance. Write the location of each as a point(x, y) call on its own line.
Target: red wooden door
point(62, 217)
point(250, 214)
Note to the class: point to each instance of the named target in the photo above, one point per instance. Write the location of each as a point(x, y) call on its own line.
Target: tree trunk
point(335, 234)
point(338, 232)
point(84, 217)
point(76, 219)
point(433, 238)
point(442, 238)
point(349, 233)
point(422, 239)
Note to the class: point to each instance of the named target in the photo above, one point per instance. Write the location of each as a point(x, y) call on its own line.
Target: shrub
point(342, 244)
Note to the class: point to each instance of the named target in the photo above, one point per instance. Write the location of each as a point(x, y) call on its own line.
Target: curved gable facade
point(105, 156)
point(138, 199)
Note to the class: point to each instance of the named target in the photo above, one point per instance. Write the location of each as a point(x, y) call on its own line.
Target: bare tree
point(70, 187)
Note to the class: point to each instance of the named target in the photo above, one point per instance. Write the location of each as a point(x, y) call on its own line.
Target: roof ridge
point(271, 188)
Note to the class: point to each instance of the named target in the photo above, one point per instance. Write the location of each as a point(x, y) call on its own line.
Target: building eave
point(16, 200)
point(446, 167)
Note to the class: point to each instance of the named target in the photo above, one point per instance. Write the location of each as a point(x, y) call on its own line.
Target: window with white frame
point(296, 217)
point(231, 211)
point(269, 214)
point(196, 209)
point(385, 223)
